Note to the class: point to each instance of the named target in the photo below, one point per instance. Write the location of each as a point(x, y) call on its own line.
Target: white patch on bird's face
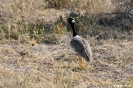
point(73, 21)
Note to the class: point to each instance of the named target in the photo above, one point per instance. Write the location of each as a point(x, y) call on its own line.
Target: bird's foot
point(82, 67)
point(79, 68)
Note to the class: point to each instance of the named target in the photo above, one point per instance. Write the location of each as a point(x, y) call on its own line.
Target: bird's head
point(70, 20)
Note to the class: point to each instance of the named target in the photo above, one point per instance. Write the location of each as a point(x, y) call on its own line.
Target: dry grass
point(35, 51)
point(52, 66)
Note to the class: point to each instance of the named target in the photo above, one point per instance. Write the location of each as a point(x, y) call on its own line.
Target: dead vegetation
point(35, 51)
point(24, 65)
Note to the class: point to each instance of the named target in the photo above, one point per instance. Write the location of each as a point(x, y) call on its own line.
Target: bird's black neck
point(73, 29)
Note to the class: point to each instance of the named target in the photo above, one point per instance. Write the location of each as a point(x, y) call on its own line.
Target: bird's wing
point(81, 47)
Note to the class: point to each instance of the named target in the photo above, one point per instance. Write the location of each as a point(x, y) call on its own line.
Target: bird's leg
point(81, 64)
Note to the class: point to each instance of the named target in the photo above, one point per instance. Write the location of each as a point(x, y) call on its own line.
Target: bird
point(79, 44)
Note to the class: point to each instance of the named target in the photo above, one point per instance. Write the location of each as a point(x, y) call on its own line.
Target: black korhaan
point(79, 44)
